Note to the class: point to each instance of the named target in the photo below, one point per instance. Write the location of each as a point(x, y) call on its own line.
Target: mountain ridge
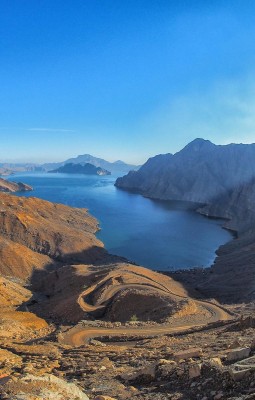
point(200, 172)
point(116, 166)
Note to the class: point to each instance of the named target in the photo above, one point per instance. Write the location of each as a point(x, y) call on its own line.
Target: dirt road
point(79, 335)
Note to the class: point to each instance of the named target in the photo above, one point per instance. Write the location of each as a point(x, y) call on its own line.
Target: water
point(159, 235)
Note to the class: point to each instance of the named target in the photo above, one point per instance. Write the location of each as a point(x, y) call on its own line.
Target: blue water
point(155, 234)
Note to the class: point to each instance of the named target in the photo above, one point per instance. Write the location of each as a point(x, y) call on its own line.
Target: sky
point(124, 79)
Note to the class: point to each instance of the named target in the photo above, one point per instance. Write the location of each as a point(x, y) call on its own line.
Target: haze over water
point(155, 234)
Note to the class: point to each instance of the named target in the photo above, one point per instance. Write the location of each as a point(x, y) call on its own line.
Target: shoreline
point(194, 206)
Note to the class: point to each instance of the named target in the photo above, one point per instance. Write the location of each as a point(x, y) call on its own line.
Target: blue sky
point(124, 79)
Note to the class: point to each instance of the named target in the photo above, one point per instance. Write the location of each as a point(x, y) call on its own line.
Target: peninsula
point(11, 187)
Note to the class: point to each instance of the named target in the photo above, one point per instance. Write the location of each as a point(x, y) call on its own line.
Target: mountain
point(117, 166)
point(11, 168)
point(6, 186)
point(201, 172)
point(86, 169)
point(221, 181)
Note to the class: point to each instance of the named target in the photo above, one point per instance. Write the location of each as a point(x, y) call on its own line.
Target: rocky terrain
point(10, 187)
point(86, 169)
point(79, 323)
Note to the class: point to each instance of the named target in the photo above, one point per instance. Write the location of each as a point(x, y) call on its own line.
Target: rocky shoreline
point(12, 187)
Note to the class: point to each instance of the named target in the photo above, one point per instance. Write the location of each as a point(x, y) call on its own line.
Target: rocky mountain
point(85, 169)
point(6, 186)
point(201, 172)
point(36, 234)
point(219, 180)
point(117, 166)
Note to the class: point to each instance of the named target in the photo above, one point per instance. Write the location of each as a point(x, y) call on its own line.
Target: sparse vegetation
point(134, 318)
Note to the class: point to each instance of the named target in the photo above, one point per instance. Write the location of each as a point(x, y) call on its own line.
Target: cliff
point(201, 172)
point(86, 169)
point(220, 180)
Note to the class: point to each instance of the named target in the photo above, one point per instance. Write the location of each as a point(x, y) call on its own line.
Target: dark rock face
point(220, 178)
point(10, 187)
point(200, 172)
point(86, 169)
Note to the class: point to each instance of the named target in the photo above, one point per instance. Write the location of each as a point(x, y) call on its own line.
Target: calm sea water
point(155, 234)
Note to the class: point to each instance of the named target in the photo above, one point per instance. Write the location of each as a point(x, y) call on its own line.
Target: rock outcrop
point(11, 187)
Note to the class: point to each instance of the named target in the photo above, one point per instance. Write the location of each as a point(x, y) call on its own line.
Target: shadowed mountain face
point(86, 169)
point(220, 178)
point(200, 172)
point(117, 166)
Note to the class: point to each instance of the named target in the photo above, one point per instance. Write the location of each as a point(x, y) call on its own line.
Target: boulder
point(194, 370)
point(189, 353)
point(239, 375)
point(238, 354)
point(145, 375)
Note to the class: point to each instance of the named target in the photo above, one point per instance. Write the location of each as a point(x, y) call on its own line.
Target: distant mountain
point(86, 169)
point(201, 172)
point(11, 168)
point(117, 166)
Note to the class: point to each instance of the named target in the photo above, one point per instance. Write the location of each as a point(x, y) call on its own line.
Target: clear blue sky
point(124, 79)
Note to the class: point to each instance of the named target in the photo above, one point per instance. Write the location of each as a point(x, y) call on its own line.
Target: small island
point(85, 169)
point(12, 187)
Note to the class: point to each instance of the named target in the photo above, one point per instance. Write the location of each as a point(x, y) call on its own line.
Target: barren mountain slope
point(35, 233)
point(114, 292)
point(9, 187)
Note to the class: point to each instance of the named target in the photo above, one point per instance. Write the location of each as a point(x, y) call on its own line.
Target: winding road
point(79, 335)
point(110, 286)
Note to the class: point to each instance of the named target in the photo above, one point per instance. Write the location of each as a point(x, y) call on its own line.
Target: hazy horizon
point(10, 161)
point(124, 80)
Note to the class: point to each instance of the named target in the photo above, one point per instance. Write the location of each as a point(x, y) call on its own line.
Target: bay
point(159, 235)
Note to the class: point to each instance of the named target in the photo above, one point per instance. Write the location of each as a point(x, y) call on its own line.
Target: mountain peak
point(199, 144)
